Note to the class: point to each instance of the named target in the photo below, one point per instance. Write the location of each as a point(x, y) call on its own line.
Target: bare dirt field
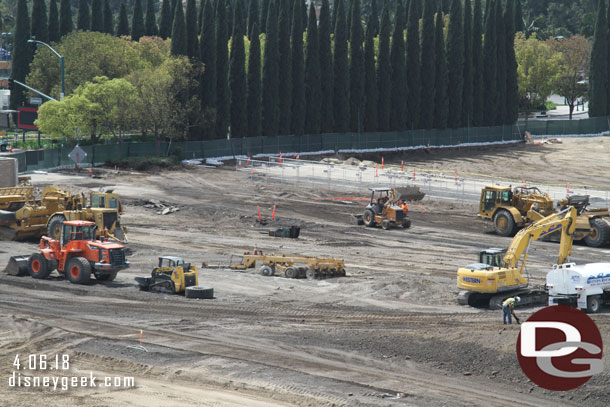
point(391, 327)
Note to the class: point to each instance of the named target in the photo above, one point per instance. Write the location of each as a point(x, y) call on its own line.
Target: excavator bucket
point(17, 266)
point(408, 194)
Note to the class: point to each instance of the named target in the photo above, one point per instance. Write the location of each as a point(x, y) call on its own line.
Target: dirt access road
point(392, 326)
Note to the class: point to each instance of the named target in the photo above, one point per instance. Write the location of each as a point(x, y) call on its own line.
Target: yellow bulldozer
point(513, 209)
point(23, 216)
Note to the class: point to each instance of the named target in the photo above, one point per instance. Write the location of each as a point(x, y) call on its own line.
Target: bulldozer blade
point(144, 282)
point(409, 194)
point(7, 217)
point(17, 266)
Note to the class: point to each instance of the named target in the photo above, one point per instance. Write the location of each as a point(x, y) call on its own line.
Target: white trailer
point(584, 286)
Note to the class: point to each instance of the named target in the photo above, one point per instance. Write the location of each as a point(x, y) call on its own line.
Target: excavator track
point(529, 296)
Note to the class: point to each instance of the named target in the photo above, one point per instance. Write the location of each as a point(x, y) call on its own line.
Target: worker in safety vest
point(404, 207)
point(508, 309)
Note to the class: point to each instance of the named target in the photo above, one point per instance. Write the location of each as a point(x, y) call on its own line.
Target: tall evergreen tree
point(40, 30)
point(229, 15)
point(428, 68)
point(336, 6)
point(253, 103)
point(467, 93)
point(608, 59)
point(178, 32)
point(446, 5)
point(407, 7)
point(263, 15)
point(165, 25)
point(312, 75)
point(384, 71)
point(150, 25)
point(490, 56)
point(398, 118)
point(200, 15)
point(326, 72)
point(356, 68)
point(65, 18)
point(304, 14)
point(501, 66)
point(192, 40)
point(477, 65)
point(414, 84)
point(455, 63)
point(512, 87)
point(173, 11)
point(271, 91)
point(82, 21)
point(284, 69)
point(122, 28)
point(373, 19)
point(97, 17)
point(441, 105)
point(350, 5)
point(207, 53)
point(298, 76)
point(253, 12)
point(222, 90)
point(22, 53)
point(369, 119)
point(598, 74)
point(137, 21)
point(237, 77)
point(340, 73)
point(108, 23)
point(519, 23)
point(53, 22)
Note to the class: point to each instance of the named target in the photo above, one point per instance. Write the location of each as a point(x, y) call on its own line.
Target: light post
point(61, 65)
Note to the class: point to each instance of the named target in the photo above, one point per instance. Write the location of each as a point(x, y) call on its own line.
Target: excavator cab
point(492, 256)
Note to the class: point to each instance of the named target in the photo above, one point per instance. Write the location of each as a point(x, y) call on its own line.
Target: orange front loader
point(77, 255)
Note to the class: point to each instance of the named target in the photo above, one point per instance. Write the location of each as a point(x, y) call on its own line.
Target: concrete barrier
point(8, 172)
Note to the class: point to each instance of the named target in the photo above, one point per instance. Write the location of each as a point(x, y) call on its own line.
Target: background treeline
point(273, 67)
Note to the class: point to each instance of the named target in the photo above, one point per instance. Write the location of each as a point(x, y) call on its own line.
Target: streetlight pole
point(61, 66)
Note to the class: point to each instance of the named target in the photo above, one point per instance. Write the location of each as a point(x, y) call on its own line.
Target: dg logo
point(560, 348)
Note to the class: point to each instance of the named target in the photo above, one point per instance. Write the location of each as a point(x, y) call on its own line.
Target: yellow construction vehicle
point(498, 274)
point(513, 209)
point(292, 266)
point(23, 216)
point(174, 276)
point(384, 209)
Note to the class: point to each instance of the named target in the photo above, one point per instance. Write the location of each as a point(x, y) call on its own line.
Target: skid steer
point(174, 276)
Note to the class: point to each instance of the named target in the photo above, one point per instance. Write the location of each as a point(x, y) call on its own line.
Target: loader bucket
point(409, 194)
point(144, 282)
point(17, 266)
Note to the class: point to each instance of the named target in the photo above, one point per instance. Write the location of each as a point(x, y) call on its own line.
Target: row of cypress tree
point(336, 77)
point(599, 75)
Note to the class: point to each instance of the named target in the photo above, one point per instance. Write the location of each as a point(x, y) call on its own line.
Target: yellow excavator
point(498, 274)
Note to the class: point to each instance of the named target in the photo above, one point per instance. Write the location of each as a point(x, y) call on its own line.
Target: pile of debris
point(163, 209)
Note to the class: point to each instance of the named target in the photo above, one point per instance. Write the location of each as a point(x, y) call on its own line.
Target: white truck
point(582, 286)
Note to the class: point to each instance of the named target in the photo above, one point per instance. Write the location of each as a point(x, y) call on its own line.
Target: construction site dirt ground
point(390, 333)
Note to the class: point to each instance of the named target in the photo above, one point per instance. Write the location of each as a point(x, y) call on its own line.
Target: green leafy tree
point(441, 106)
point(22, 53)
point(122, 28)
point(137, 21)
point(179, 32)
point(53, 22)
point(192, 41)
point(237, 79)
point(271, 109)
point(222, 62)
point(538, 70)
point(467, 93)
point(254, 85)
point(207, 53)
point(501, 66)
point(326, 72)
point(399, 89)
point(65, 18)
point(356, 68)
point(108, 18)
point(297, 121)
point(165, 24)
point(340, 76)
point(284, 69)
point(428, 68)
point(455, 63)
point(97, 17)
point(575, 56)
point(253, 12)
point(413, 73)
point(40, 30)
point(490, 76)
point(477, 65)
point(83, 21)
point(370, 80)
point(512, 87)
point(150, 28)
point(384, 71)
point(312, 75)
